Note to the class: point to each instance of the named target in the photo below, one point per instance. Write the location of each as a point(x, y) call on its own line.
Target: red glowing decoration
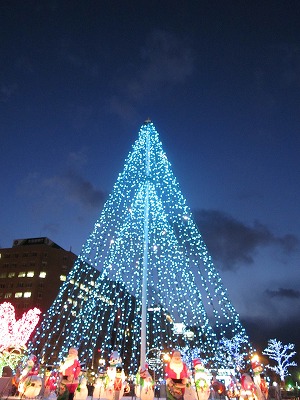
point(15, 333)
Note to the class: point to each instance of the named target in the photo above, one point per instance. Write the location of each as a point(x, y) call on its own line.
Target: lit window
point(11, 274)
point(42, 274)
point(21, 274)
point(7, 295)
point(18, 295)
point(63, 278)
point(30, 274)
point(27, 294)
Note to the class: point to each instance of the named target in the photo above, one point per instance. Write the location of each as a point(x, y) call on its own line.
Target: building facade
point(31, 273)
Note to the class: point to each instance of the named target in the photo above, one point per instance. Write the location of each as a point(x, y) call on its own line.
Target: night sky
point(221, 83)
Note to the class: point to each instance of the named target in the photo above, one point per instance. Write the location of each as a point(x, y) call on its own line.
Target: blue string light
point(99, 304)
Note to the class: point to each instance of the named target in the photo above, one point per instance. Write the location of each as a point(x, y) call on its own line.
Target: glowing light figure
point(14, 334)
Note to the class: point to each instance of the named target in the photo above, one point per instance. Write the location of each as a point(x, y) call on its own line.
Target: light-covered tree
point(281, 354)
point(232, 352)
point(145, 230)
point(189, 354)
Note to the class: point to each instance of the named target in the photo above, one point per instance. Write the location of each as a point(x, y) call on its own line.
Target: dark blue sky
point(220, 81)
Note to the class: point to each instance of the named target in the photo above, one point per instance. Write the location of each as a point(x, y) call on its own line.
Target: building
point(31, 273)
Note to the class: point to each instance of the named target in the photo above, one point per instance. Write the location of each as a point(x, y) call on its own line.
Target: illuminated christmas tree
point(144, 223)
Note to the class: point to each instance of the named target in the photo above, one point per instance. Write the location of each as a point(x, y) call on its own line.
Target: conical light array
point(99, 305)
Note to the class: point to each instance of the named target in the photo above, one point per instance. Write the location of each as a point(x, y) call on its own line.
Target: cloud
point(283, 293)
point(121, 107)
point(260, 330)
point(288, 242)
point(165, 62)
point(289, 59)
point(60, 189)
point(78, 59)
point(281, 64)
point(77, 159)
point(7, 91)
point(165, 59)
point(75, 186)
point(79, 189)
point(233, 243)
point(52, 228)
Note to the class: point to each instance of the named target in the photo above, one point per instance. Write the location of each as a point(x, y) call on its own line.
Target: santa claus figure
point(247, 391)
point(177, 376)
point(70, 370)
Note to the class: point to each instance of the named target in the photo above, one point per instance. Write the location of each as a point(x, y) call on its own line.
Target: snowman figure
point(116, 384)
point(202, 387)
point(144, 387)
point(101, 382)
point(82, 390)
point(30, 383)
